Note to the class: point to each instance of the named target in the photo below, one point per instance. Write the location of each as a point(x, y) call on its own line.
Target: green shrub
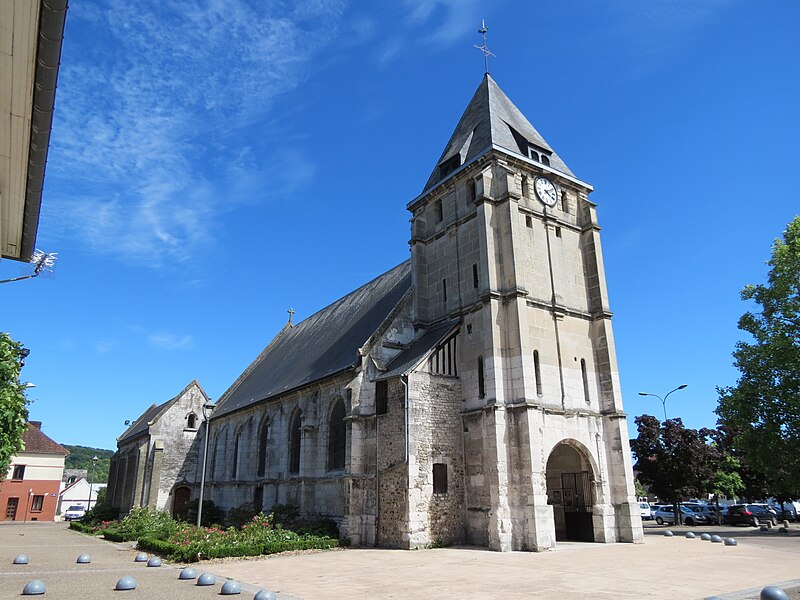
point(211, 512)
point(100, 513)
point(236, 517)
point(83, 527)
point(144, 522)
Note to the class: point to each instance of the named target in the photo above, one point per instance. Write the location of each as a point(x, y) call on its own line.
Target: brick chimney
point(35, 424)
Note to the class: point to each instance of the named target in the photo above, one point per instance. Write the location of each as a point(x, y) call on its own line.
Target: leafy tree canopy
point(674, 461)
point(13, 404)
point(80, 457)
point(763, 408)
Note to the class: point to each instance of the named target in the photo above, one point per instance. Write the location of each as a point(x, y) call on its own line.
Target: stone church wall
point(392, 471)
point(436, 438)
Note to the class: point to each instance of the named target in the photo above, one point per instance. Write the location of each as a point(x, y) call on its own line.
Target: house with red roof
point(30, 489)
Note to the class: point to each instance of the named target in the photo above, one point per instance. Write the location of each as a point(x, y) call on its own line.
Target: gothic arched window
point(295, 442)
point(263, 436)
point(337, 437)
point(235, 462)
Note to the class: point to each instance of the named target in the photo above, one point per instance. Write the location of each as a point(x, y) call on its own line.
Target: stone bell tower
point(505, 240)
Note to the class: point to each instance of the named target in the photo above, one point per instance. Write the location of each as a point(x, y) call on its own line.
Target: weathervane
point(486, 52)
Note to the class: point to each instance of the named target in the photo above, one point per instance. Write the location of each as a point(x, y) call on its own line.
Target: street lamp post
point(207, 408)
point(664, 399)
point(677, 506)
point(91, 482)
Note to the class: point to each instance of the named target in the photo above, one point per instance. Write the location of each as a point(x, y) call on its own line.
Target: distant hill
point(80, 457)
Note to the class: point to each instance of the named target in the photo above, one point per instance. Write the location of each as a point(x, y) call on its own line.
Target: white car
point(74, 512)
point(644, 510)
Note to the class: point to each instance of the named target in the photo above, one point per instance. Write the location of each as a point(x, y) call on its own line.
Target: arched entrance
point(179, 499)
point(569, 491)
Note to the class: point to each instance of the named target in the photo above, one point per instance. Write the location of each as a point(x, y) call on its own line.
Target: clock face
point(546, 191)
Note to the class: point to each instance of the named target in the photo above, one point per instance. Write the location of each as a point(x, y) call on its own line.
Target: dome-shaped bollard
point(231, 588)
point(141, 557)
point(126, 583)
point(206, 579)
point(154, 561)
point(730, 542)
point(21, 559)
point(187, 573)
point(668, 533)
point(34, 588)
point(715, 539)
point(84, 559)
point(783, 530)
point(690, 535)
point(773, 593)
point(764, 528)
point(705, 536)
point(265, 595)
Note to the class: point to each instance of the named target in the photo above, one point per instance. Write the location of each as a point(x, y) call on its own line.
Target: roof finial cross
point(486, 52)
point(291, 313)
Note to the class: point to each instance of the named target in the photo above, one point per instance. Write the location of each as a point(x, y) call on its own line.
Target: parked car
point(666, 514)
point(709, 512)
point(750, 514)
point(74, 512)
point(785, 511)
point(644, 510)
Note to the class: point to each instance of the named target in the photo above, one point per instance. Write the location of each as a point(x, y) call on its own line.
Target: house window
point(37, 503)
point(558, 232)
point(19, 472)
point(545, 160)
point(439, 478)
point(585, 382)
point(481, 382)
point(475, 275)
point(337, 437)
point(564, 203)
point(295, 439)
point(533, 154)
point(444, 290)
point(381, 397)
point(263, 440)
point(528, 221)
point(537, 372)
point(191, 421)
point(525, 187)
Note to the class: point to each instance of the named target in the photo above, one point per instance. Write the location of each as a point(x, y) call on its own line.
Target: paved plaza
point(662, 567)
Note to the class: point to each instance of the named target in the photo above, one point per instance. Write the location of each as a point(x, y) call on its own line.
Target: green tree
point(673, 460)
point(763, 408)
point(13, 404)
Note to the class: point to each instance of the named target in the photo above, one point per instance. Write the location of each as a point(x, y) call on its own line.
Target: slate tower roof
point(492, 120)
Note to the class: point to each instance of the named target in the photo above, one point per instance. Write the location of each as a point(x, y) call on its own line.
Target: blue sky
point(211, 167)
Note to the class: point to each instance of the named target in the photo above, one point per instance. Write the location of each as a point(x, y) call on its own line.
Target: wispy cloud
point(170, 341)
point(146, 145)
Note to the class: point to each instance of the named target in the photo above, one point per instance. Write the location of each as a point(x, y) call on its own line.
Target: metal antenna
point(486, 52)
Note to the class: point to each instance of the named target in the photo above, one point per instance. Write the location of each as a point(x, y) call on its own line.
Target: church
point(469, 395)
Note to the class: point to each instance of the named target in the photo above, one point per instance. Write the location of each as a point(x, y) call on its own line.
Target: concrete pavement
point(660, 568)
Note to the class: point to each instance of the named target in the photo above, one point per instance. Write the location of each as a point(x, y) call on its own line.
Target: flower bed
point(158, 532)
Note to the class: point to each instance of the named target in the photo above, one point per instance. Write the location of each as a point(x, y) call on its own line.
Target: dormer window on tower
point(539, 154)
point(450, 165)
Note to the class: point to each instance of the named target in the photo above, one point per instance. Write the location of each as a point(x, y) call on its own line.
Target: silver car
point(666, 514)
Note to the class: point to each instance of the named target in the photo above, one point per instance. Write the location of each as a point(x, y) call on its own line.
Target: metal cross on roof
point(486, 52)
